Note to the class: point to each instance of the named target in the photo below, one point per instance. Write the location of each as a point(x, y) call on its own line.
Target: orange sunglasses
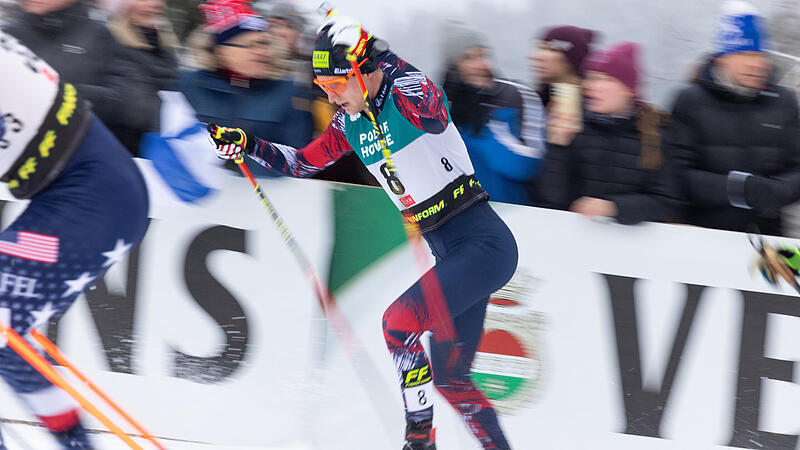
point(337, 85)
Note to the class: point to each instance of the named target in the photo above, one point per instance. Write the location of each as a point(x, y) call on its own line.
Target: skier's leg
point(404, 322)
point(31, 292)
point(454, 382)
point(69, 234)
point(477, 257)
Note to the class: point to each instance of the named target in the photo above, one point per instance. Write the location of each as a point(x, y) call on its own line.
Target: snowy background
point(674, 34)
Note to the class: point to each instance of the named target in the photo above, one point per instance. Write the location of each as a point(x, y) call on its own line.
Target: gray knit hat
point(458, 39)
point(288, 12)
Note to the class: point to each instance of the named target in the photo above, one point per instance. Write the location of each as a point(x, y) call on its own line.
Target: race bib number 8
point(419, 397)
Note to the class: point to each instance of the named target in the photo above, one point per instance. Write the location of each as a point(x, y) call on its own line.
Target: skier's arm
point(419, 100)
point(301, 163)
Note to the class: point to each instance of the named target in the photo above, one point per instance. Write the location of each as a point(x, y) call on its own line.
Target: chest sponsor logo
point(369, 143)
point(407, 201)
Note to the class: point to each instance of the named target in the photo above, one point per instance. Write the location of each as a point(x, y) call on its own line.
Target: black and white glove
point(230, 142)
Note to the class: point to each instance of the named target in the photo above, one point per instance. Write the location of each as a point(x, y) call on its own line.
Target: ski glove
point(230, 142)
point(783, 262)
point(347, 31)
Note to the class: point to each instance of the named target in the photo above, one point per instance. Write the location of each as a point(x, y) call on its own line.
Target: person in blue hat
point(735, 136)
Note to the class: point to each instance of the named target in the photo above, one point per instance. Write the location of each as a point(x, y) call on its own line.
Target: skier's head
point(335, 75)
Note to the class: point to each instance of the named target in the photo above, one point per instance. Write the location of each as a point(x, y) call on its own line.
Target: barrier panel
point(647, 337)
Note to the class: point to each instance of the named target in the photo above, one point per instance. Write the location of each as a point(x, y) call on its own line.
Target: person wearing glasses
point(244, 78)
point(434, 186)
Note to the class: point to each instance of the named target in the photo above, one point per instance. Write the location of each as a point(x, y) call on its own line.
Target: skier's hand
point(230, 142)
point(348, 32)
point(774, 263)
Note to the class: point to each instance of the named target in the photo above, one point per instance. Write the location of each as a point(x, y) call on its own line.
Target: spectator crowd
point(583, 139)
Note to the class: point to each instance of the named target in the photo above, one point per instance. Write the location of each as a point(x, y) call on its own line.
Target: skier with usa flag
point(88, 207)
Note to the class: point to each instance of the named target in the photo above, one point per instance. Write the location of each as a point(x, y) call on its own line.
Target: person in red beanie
point(557, 56)
point(243, 78)
point(613, 167)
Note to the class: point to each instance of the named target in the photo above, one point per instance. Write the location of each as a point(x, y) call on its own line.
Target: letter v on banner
point(643, 408)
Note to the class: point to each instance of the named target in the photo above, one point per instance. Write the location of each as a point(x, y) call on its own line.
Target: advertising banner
point(608, 336)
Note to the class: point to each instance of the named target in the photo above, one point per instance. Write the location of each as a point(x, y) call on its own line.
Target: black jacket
point(717, 131)
point(606, 160)
point(151, 54)
point(84, 54)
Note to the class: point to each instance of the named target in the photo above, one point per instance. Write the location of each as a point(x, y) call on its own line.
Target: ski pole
point(354, 349)
point(321, 291)
point(59, 356)
point(41, 365)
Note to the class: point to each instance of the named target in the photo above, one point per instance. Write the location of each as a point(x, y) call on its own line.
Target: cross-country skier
point(88, 207)
point(435, 187)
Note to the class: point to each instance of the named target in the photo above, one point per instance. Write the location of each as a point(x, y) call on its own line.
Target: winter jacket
point(720, 137)
point(503, 129)
point(84, 53)
point(276, 110)
point(611, 159)
point(152, 54)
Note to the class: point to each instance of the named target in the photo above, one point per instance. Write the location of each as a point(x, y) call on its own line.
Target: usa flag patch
point(27, 245)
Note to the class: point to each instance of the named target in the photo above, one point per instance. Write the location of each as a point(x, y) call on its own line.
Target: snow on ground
point(28, 437)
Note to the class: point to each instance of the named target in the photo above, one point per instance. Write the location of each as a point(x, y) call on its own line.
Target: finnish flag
point(182, 152)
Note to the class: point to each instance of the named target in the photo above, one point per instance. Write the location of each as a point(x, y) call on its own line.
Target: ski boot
point(73, 438)
point(420, 436)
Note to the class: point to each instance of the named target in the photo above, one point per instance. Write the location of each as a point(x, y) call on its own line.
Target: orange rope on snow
point(36, 360)
point(56, 354)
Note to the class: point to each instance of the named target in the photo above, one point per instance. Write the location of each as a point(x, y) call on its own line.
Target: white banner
point(615, 337)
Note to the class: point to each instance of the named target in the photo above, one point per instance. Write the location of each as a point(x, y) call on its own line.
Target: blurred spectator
point(736, 133)
point(614, 167)
point(557, 58)
point(244, 82)
point(287, 23)
point(501, 122)
point(141, 27)
point(81, 50)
